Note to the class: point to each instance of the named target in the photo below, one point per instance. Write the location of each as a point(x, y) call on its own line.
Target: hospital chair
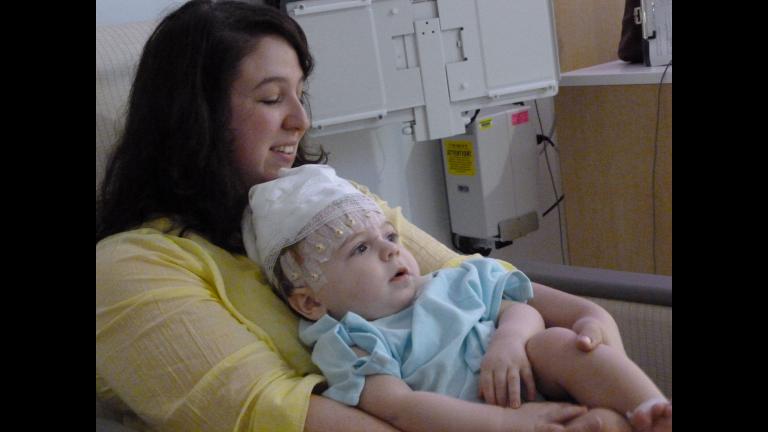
point(640, 303)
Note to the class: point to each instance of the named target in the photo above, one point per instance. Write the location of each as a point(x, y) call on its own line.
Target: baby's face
point(371, 274)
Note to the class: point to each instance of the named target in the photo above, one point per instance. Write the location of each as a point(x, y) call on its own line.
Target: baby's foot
point(653, 415)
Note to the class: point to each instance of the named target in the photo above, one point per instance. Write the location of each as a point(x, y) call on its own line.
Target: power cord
point(472, 120)
point(540, 138)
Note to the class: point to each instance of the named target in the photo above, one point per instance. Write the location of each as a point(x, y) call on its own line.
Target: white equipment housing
point(491, 175)
point(655, 16)
point(427, 63)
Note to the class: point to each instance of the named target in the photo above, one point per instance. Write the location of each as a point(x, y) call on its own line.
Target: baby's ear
point(304, 301)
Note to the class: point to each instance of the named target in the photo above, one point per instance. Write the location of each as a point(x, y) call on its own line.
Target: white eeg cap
point(284, 211)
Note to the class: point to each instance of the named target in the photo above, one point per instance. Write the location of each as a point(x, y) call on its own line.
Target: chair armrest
point(601, 283)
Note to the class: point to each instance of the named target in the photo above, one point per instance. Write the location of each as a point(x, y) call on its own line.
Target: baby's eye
point(360, 249)
point(393, 237)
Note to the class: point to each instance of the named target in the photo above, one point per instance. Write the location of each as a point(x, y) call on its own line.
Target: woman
point(188, 334)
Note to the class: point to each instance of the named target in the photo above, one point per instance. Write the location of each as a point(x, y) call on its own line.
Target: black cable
point(559, 217)
point(541, 126)
point(554, 187)
point(473, 117)
point(546, 212)
point(538, 115)
point(653, 170)
point(541, 138)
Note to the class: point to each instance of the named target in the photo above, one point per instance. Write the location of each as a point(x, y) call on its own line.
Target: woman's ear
point(304, 301)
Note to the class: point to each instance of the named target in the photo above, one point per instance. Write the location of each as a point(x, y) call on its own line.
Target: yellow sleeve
point(170, 349)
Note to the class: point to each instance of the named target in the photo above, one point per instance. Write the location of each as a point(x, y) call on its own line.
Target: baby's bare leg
point(604, 377)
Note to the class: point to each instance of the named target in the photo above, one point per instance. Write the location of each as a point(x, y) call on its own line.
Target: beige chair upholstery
point(118, 49)
point(646, 330)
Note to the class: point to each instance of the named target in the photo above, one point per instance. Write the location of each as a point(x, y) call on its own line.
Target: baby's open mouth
point(402, 272)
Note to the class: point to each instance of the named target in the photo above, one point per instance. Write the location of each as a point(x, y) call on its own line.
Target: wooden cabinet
point(618, 201)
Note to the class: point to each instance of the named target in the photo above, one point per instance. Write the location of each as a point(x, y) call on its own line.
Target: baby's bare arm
point(505, 365)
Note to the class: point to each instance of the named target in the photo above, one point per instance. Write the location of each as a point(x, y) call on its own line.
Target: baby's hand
point(504, 368)
point(590, 333)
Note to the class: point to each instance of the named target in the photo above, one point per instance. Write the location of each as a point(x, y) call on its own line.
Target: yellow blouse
point(191, 337)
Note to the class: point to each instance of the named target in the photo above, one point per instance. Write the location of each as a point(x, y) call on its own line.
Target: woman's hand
point(564, 417)
point(547, 417)
point(504, 369)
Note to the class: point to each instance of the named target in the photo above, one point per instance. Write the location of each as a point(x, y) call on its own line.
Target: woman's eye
point(271, 101)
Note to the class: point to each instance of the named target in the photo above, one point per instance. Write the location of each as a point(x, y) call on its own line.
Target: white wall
point(125, 11)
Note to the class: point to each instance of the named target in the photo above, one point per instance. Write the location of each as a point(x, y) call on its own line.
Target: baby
point(395, 342)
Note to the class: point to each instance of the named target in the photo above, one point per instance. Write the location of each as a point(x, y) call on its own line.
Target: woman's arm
point(391, 399)
point(170, 350)
point(560, 309)
point(328, 415)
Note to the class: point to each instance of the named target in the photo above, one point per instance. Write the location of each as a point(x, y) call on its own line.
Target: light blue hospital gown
point(436, 344)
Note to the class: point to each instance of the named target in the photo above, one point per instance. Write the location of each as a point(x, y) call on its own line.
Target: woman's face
point(268, 118)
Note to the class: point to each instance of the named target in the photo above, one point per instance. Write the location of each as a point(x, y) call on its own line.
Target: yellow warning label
point(486, 124)
point(460, 157)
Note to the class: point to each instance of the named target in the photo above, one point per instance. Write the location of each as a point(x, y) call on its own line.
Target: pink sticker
point(521, 117)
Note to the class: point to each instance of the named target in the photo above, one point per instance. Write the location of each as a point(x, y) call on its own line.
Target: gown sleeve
point(342, 367)
point(492, 283)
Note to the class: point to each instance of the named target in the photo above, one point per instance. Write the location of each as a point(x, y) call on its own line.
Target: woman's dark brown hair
point(175, 155)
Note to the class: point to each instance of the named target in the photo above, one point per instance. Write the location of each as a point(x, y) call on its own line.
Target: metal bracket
point(511, 229)
point(309, 8)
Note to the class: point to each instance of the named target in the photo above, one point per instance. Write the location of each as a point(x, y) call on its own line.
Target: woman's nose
point(296, 118)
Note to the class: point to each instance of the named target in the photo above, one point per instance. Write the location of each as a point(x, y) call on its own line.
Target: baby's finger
point(486, 387)
point(589, 339)
point(500, 387)
point(584, 343)
point(526, 376)
point(513, 388)
point(590, 335)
